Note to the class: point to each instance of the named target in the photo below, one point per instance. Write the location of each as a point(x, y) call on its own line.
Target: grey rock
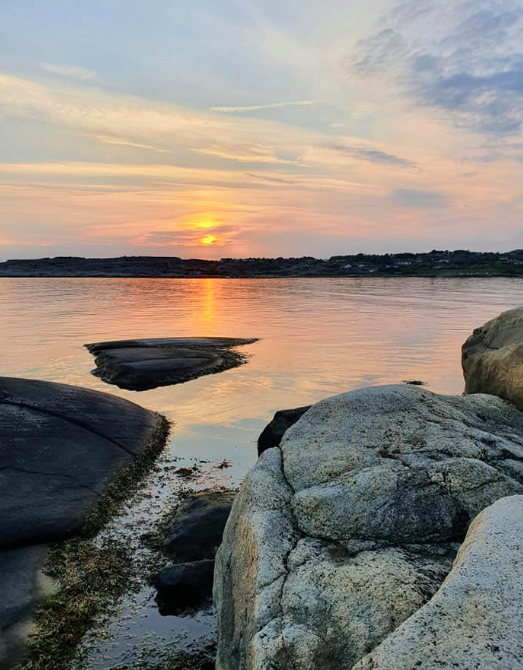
point(197, 529)
point(60, 447)
point(474, 621)
point(492, 358)
point(349, 527)
point(144, 364)
point(184, 586)
point(274, 431)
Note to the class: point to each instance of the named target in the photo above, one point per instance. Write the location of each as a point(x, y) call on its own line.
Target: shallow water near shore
point(318, 337)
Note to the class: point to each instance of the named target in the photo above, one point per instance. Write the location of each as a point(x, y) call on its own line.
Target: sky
point(239, 128)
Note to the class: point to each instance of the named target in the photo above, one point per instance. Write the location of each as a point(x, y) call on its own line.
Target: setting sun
point(208, 240)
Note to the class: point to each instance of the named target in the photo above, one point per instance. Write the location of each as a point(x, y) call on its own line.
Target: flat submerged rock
point(60, 449)
point(143, 364)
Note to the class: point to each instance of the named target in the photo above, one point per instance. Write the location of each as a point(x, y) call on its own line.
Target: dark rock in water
point(274, 431)
point(414, 382)
point(60, 447)
point(197, 530)
point(184, 586)
point(138, 365)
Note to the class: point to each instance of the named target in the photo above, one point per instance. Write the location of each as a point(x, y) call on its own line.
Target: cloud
point(466, 61)
point(257, 153)
point(120, 141)
point(418, 199)
point(69, 71)
point(188, 234)
point(372, 155)
point(273, 105)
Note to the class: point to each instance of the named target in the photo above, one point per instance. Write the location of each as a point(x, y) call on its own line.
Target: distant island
point(458, 263)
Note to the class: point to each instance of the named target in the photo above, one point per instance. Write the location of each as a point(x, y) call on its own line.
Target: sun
point(208, 240)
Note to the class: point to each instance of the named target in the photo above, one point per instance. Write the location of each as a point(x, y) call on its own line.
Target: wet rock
point(184, 586)
point(492, 358)
point(474, 620)
point(197, 529)
point(19, 590)
point(60, 447)
point(275, 430)
point(144, 364)
point(350, 527)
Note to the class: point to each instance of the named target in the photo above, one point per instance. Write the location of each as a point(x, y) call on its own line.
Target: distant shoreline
point(434, 265)
point(265, 277)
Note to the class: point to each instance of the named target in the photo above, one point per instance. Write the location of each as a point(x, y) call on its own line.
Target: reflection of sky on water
point(318, 337)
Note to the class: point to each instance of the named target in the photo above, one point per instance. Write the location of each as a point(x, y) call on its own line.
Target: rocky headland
point(385, 529)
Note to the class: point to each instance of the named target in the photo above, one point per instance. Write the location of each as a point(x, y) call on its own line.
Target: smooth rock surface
point(274, 431)
point(349, 527)
point(492, 358)
point(196, 531)
point(475, 620)
point(144, 364)
point(60, 447)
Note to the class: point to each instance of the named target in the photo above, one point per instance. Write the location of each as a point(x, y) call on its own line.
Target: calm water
point(318, 337)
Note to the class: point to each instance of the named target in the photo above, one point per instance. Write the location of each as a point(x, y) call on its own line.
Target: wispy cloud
point(272, 105)
point(371, 155)
point(120, 141)
point(70, 71)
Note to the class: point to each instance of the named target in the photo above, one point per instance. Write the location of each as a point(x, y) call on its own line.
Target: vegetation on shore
point(460, 263)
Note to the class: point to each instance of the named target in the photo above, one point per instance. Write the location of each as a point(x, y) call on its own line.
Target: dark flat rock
point(184, 586)
point(142, 364)
point(60, 447)
point(197, 530)
point(274, 431)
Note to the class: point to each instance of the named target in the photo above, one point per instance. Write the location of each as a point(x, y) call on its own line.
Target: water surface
point(318, 337)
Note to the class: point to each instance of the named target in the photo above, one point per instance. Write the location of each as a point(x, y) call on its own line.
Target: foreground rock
point(191, 540)
point(474, 620)
point(350, 527)
point(60, 448)
point(196, 531)
point(274, 431)
point(138, 365)
point(184, 586)
point(492, 358)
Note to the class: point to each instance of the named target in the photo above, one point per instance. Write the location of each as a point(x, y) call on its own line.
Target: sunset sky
point(217, 128)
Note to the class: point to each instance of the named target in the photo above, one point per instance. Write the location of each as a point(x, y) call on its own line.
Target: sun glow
point(208, 240)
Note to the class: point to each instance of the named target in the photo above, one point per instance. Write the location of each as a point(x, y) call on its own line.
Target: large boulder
point(349, 527)
point(492, 358)
point(144, 364)
point(475, 619)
